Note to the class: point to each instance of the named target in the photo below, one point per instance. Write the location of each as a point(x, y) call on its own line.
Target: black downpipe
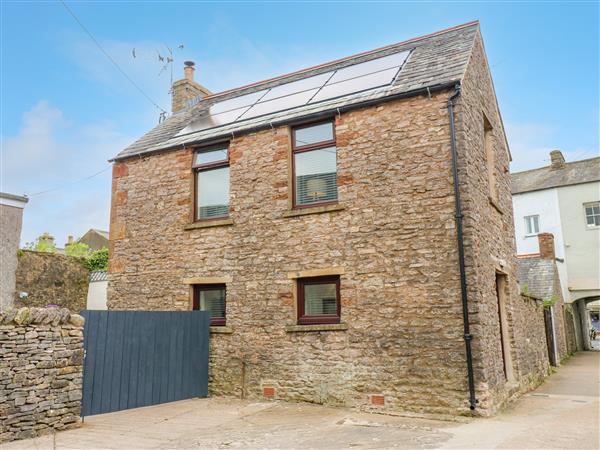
point(461, 249)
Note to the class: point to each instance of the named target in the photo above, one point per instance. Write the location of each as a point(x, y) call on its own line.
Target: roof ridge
point(566, 163)
point(345, 58)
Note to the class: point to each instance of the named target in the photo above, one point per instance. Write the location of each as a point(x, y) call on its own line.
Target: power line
point(70, 183)
point(110, 57)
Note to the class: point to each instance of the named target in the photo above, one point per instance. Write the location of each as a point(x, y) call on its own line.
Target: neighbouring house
point(349, 227)
point(95, 239)
point(538, 278)
point(564, 199)
point(11, 220)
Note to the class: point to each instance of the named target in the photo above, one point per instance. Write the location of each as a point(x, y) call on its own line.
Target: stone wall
point(51, 279)
point(41, 357)
point(530, 338)
point(400, 288)
point(490, 242)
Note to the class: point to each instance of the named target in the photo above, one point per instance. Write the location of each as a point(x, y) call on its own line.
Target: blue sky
point(66, 109)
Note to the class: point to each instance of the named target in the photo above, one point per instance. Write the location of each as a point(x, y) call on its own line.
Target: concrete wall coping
point(17, 201)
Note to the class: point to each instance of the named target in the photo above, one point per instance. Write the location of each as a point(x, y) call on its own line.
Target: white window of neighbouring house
point(592, 214)
point(314, 164)
point(532, 225)
point(211, 183)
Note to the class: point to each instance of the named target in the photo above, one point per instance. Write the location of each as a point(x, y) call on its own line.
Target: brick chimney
point(557, 160)
point(546, 242)
point(186, 89)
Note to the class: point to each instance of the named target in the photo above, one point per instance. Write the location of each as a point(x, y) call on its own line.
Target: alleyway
point(563, 413)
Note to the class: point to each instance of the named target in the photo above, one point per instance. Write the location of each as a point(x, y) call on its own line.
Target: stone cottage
point(349, 227)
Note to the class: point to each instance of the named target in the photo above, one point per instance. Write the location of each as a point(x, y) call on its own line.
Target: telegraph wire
point(69, 183)
point(111, 58)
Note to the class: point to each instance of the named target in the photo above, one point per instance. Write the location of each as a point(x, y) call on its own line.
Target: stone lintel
point(316, 272)
point(207, 280)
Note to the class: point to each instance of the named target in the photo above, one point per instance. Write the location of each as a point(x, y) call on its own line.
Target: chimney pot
point(188, 70)
point(557, 160)
point(546, 243)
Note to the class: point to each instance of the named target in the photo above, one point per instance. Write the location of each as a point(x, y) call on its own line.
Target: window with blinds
point(314, 164)
point(211, 298)
point(211, 167)
point(318, 300)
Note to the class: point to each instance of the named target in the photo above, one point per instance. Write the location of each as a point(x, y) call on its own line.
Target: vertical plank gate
point(141, 358)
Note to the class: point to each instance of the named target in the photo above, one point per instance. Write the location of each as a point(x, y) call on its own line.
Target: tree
point(78, 249)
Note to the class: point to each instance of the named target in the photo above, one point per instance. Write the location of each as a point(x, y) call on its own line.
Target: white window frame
point(585, 215)
point(535, 219)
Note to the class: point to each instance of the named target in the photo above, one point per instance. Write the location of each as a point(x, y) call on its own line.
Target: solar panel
point(297, 86)
point(354, 85)
point(349, 80)
point(368, 67)
point(237, 102)
point(213, 120)
point(279, 104)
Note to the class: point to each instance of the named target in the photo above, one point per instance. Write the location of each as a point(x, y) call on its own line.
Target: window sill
point(221, 330)
point(209, 224)
point(321, 327)
point(495, 205)
point(313, 210)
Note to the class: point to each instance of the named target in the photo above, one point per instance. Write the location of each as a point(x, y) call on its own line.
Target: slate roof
point(576, 172)
point(539, 275)
point(435, 61)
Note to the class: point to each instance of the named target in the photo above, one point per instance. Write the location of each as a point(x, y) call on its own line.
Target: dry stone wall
point(41, 367)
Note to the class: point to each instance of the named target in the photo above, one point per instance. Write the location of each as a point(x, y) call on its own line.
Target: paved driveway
point(563, 413)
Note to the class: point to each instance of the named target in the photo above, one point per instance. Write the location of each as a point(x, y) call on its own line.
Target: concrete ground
point(563, 413)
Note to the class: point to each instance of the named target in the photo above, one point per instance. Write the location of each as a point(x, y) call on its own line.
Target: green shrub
point(97, 260)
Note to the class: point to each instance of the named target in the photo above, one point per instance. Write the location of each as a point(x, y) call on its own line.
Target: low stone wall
point(41, 371)
point(51, 279)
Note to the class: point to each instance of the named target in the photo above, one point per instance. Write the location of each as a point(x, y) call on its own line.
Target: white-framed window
point(532, 225)
point(592, 214)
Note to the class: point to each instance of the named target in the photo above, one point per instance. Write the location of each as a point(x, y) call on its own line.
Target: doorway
point(501, 297)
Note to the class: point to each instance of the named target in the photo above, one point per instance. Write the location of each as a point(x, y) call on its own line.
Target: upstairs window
point(314, 164)
point(211, 183)
point(318, 300)
point(532, 225)
point(592, 214)
point(211, 298)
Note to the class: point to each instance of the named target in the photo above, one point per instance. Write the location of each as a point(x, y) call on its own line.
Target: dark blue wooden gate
point(141, 358)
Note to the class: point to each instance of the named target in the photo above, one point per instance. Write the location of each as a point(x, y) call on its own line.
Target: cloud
point(531, 143)
point(51, 151)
